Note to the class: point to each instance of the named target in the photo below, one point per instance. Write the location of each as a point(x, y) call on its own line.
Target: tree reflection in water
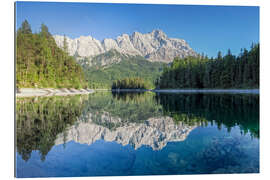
point(40, 120)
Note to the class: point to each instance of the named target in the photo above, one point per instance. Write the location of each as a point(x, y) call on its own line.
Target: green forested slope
point(129, 67)
point(222, 72)
point(40, 63)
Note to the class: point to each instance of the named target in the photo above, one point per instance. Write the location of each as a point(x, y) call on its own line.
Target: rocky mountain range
point(154, 132)
point(154, 46)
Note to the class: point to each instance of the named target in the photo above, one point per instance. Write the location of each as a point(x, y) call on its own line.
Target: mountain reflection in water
point(154, 132)
point(143, 120)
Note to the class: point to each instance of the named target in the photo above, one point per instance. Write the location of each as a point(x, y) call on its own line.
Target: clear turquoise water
point(224, 137)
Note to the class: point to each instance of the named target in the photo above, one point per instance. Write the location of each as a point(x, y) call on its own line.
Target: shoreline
point(236, 91)
point(36, 92)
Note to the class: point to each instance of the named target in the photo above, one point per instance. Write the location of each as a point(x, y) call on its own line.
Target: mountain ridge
point(154, 46)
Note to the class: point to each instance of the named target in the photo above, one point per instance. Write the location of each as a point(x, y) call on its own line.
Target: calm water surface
point(105, 134)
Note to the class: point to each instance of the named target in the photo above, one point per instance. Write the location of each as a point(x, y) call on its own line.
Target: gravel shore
point(28, 92)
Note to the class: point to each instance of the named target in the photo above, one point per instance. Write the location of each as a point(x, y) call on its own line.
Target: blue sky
point(207, 29)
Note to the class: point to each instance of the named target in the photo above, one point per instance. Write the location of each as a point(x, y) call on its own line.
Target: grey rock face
point(109, 44)
point(154, 46)
point(154, 132)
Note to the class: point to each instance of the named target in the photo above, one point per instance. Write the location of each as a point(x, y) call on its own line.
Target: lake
point(119, 134)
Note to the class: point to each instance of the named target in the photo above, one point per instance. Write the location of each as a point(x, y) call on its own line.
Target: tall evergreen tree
point(45, 31)
point(25, 28)
point(65, 45)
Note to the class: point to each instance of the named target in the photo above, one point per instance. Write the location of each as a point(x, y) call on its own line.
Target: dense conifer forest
point(40, 63)
point(228, 71)
point(131, 83)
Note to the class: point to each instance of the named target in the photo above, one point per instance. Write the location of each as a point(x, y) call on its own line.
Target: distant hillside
point(105, 68)
point(41, 63)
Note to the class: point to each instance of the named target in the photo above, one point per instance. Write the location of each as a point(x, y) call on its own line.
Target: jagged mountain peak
point(154, 46)
point(158, 33)
point(136, 33)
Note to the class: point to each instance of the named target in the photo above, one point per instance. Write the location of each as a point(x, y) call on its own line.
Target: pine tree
point(25, 28)
point(65, 45)
point(45, 31)
point(219, 56)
